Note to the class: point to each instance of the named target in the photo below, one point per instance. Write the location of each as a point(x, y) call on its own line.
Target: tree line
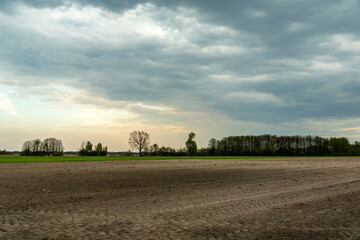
point(3, 152)
point(48, 147)
point(140, 141)
point(262, 145)
point(87, 149)
point(54, 147)
point(271, 145)
point(244, 145)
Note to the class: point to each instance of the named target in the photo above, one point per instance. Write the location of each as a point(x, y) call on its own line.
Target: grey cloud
point(9, 7)
point(108, 5)
point(156, 72)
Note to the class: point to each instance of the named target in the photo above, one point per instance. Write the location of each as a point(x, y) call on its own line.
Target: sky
point(96, 70)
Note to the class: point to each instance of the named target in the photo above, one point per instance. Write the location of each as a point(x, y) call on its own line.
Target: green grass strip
point(21, 159)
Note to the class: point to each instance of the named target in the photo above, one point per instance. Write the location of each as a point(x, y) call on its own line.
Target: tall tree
point(339, 146)
point(191, 145)
point(52, 146)
point(87, 149)
point(36, 143)
point(27, 148)
point(88, 146)
point(212, 146)
point(139, 140)
point(98, 149)
point(154, 149)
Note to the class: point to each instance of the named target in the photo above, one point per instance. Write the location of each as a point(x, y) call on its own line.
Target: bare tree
point(31, 148)
point(36, 147)
point(27, 148)
point(139, 140)
point(52, 146)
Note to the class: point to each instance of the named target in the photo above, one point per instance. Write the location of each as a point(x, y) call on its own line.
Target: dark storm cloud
point(265, 61)
point(8, 7)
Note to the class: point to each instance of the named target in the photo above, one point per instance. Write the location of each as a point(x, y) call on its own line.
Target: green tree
point(154, 149)
point(272, 147)
point(87, 149)
point(339, 146)
point(355, 150)
point(212, 146)
point(191, 146)
point(104, 151)
point(88, 146)
point(3, 152)
point(98, 149)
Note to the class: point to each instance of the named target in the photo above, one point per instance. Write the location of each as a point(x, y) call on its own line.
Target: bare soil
point(182, 199)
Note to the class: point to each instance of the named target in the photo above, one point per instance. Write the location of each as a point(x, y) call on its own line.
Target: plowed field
point(182, 199)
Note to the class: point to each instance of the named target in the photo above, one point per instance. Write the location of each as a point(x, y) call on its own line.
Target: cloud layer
point(273, 64)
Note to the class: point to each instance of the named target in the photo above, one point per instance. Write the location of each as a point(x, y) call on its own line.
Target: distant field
point(14, 159)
